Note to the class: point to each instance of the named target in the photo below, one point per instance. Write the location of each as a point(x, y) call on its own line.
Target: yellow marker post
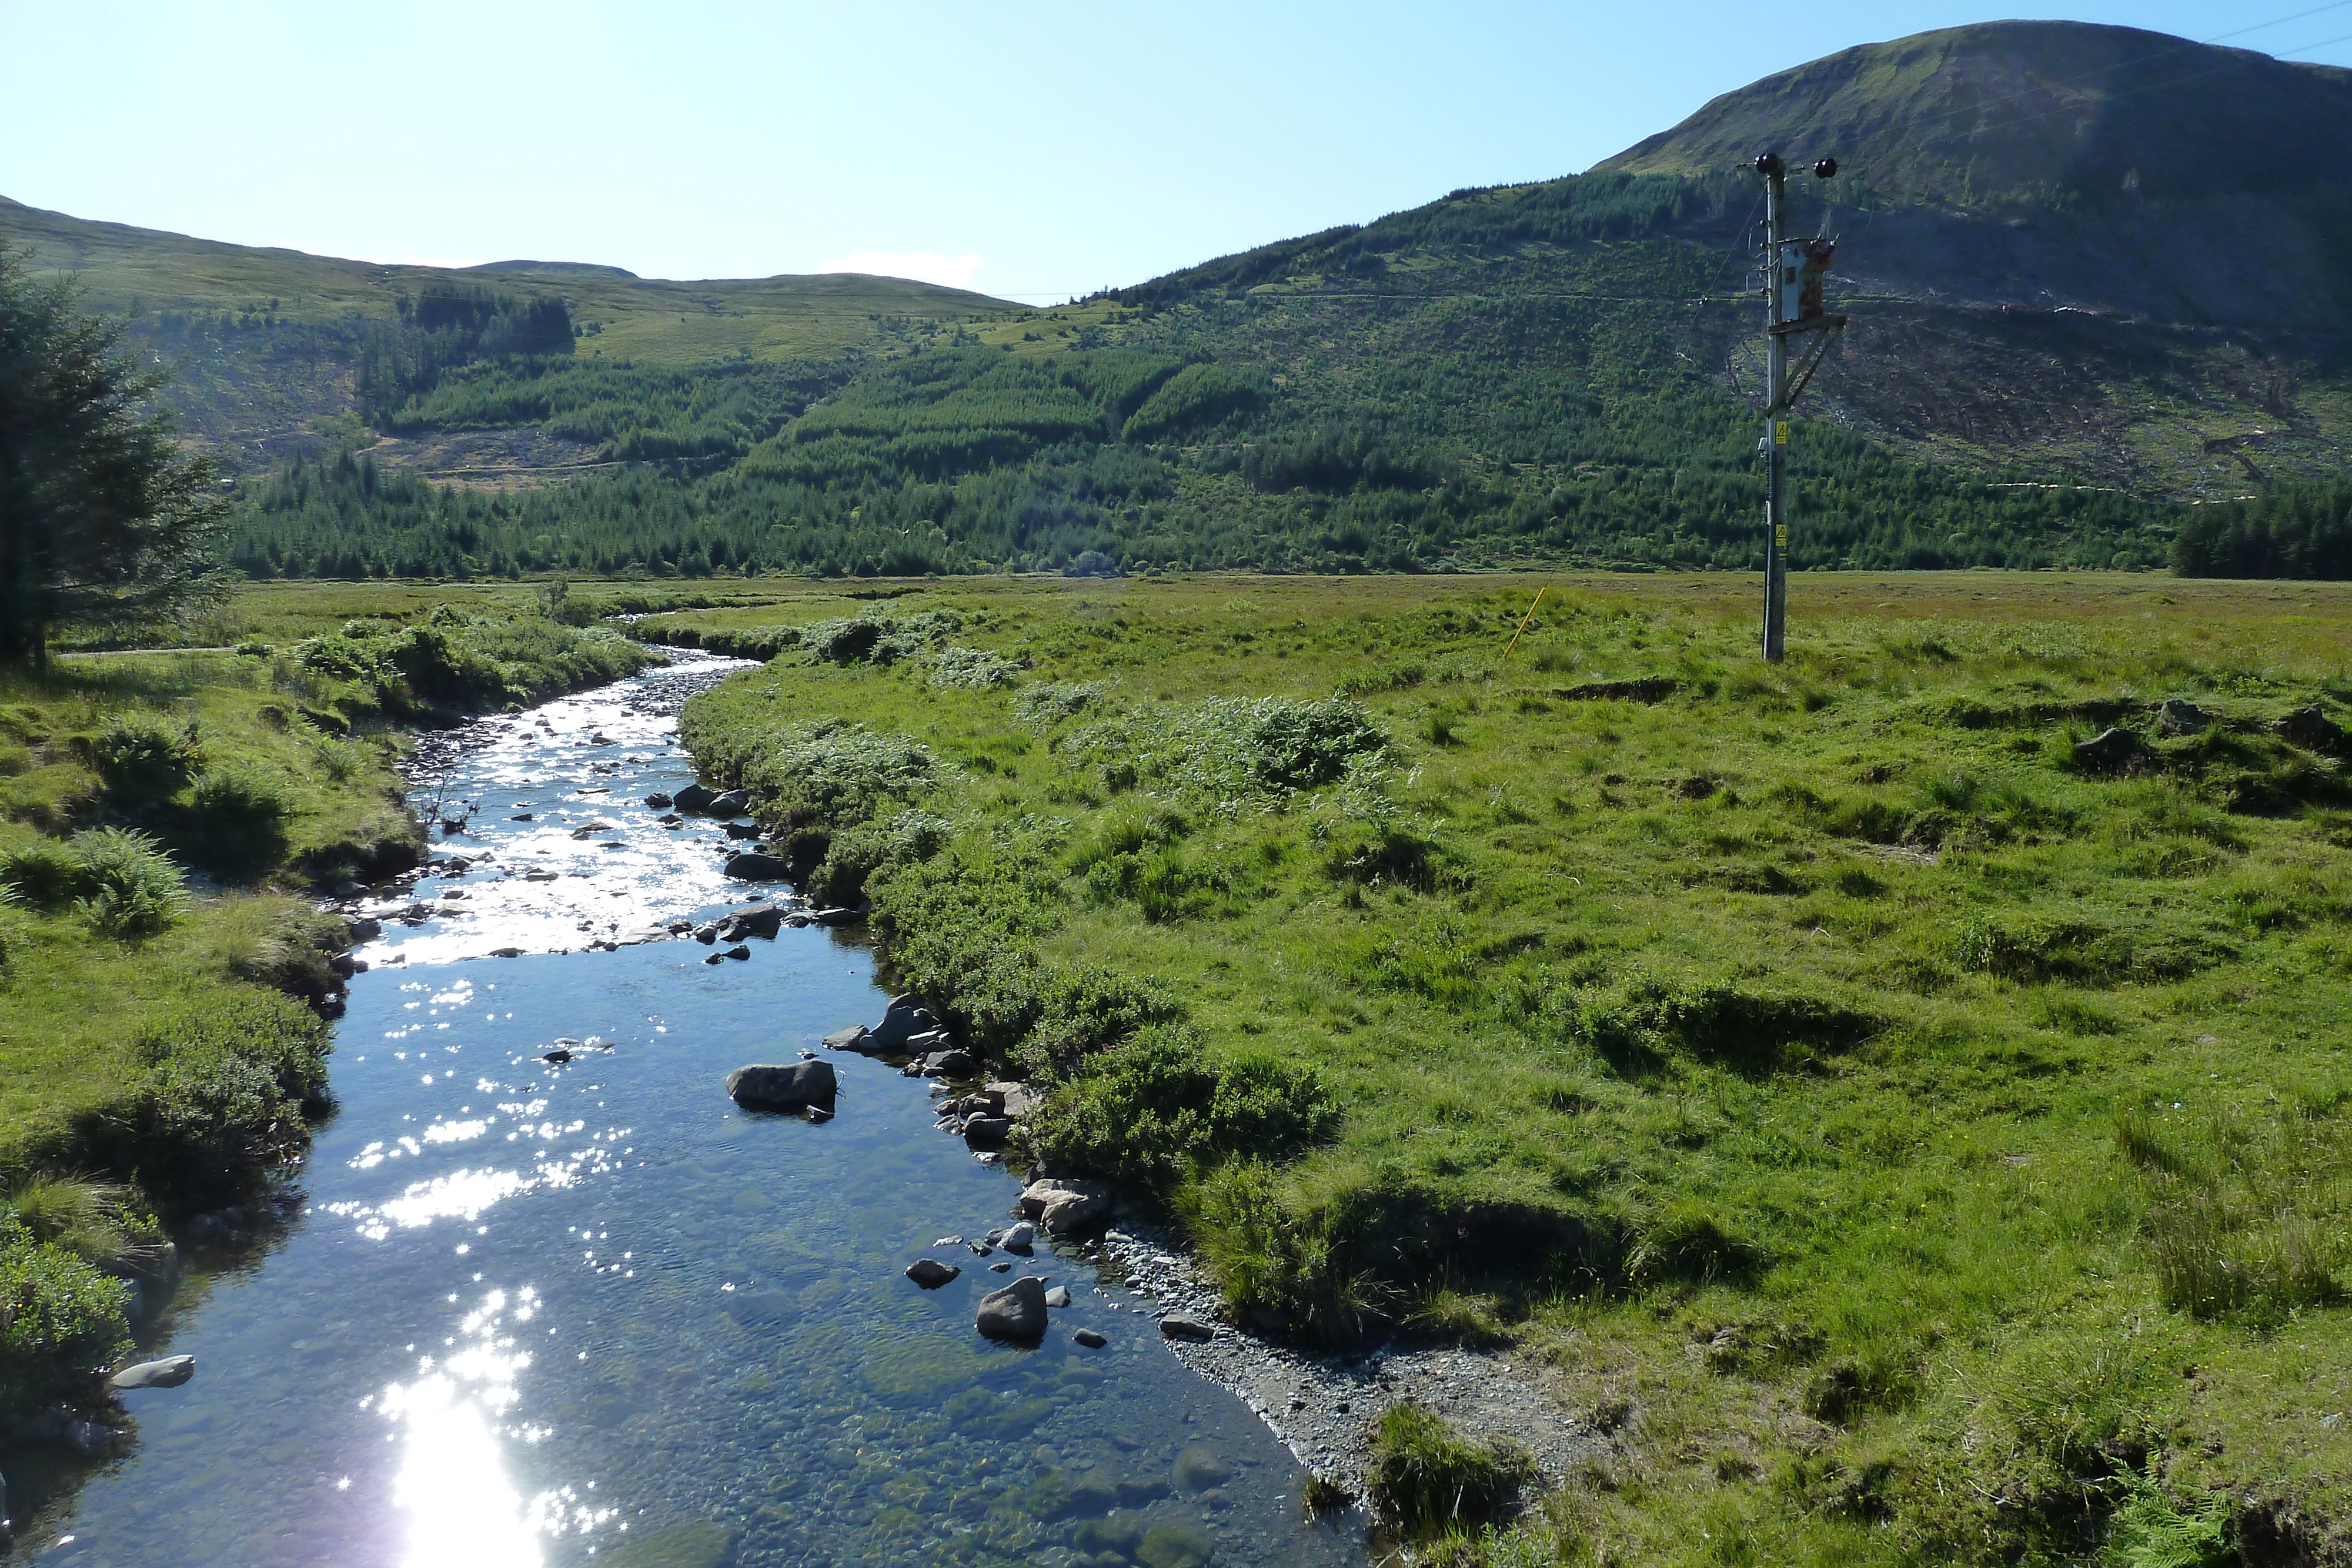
point(1530, 615)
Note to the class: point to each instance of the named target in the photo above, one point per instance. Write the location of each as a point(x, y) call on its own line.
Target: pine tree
point(102, 516)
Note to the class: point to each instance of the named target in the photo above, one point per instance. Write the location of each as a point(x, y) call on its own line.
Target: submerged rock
point(1016, 1313)
point(782, 1086)
point(930, 1273)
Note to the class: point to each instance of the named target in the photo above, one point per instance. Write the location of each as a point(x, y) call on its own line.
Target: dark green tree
point(102, 516)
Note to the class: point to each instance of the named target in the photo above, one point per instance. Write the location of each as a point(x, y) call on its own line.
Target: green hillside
point(1562, 372)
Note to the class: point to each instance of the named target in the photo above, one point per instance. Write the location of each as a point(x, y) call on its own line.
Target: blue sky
point(1034, 151)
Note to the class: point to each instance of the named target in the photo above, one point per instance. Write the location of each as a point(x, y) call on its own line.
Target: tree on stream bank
point(103, 517)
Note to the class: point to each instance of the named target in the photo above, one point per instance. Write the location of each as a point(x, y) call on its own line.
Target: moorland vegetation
point(1918, 1139)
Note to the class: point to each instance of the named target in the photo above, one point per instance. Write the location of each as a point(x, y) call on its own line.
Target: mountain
point(2061, 162)
point(2048, 357)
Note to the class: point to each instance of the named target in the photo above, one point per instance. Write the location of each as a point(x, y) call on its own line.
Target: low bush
point(143, 759)
point(858, 853)
point(129, 887)
point(230, 1086)
point(1425, 1481)
point(41, 873)
point(242, 817)
point(1161, 1106)
point(62, 1323)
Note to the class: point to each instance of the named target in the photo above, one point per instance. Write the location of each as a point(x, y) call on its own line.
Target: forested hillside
point(1560, 372)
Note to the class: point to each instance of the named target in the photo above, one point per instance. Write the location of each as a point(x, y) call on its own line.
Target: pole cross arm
point(1829, 327)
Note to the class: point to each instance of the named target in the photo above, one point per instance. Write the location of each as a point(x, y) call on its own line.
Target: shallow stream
point(522, 1313)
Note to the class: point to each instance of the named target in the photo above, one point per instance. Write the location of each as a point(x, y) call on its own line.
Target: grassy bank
point(1912, 1142)
point(166, 822)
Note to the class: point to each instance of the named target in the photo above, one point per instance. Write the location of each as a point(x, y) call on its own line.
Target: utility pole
point(1794, 270)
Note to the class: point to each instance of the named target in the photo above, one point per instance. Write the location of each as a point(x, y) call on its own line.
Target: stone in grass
point(2309, 727)
point(2111, 751)
point(2178, 715)
point(930, 1273)
point(169, 1372)
point(1090, 1339)
point(1016, 1314)
point(789, 1086)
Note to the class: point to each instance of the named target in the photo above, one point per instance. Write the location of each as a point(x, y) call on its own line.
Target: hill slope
point(1561, 371)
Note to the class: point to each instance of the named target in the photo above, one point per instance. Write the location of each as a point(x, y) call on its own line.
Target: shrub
point(858, 853)
point(832, 774)
point(241, 816)
point(145, 759)
point(1151, 1110)
point(1425, 1481)
point(230, 1083)
point(973, 668)
point(128, 886)
point(1046, 703)
point(61, 1320)
point(41, 873)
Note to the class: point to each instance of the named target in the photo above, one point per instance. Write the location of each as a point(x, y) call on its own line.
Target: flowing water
point(527, 1313)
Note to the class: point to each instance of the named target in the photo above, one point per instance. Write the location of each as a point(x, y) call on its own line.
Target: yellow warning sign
point(1780, 433)
point(1781, 536)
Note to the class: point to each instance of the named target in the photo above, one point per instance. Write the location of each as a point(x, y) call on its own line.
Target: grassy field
point(1909, 1144)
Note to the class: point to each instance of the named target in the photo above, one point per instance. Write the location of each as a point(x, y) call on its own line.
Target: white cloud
point(922, 265)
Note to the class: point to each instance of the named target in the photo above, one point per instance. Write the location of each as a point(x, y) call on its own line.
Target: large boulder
point(758, 920)
point(1065, 1208)
point(985, 1134)
point(1016, 1313)
point(754, 866)
point(733, 803)
point(1014, 1099)
point(694, 797)
point(786, 1086)
point(904, 1019)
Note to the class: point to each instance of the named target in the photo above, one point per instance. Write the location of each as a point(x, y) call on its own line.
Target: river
point(521, 1313)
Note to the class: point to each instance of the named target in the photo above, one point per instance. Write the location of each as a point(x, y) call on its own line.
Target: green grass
point(1793, 1059)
